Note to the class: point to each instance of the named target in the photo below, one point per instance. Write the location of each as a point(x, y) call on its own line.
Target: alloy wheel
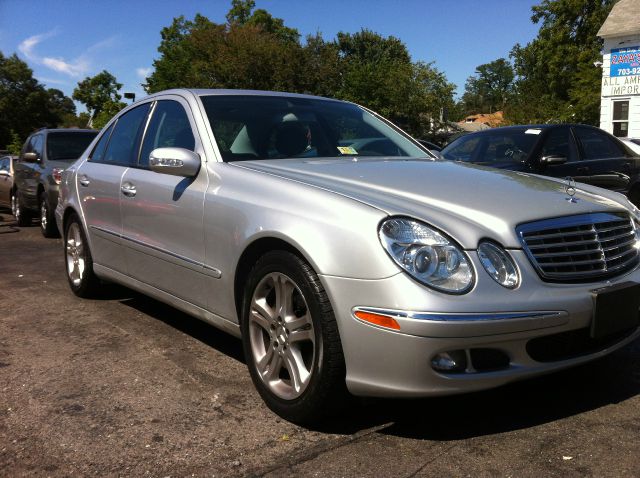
point(75, 255)
point(43, 215)
point(281, 335)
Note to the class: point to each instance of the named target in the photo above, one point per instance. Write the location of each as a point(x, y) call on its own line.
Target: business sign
point(621, 85)
point(625, 61)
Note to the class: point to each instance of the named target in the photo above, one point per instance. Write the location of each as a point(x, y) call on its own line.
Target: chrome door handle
point(128, 190)
point(84, 180)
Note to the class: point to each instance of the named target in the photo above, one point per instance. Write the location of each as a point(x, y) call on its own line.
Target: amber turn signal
point(377, 319)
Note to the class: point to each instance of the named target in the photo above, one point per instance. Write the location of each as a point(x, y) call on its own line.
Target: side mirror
point(30, 157)
point(4, 172)
point(553, 159)
point(175, 161)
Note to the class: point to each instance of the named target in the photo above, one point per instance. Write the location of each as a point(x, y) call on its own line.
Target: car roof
point(65, 130)
point(524, 127)
point(232, 92)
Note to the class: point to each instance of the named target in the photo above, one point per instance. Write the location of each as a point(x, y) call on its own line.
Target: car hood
point(468, 202)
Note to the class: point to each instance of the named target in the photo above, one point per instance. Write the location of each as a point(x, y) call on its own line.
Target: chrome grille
point(581, 248)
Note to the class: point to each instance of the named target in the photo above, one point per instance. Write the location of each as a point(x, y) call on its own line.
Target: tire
point(14, 202)
point(47, 219)
point(293, 350)
point(78, 261)
point(22, 215)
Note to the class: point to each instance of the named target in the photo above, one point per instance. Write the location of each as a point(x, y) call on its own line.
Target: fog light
point(454, 361)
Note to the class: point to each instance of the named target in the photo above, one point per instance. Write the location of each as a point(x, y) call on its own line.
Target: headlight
point(498, 264)
point(427, 255)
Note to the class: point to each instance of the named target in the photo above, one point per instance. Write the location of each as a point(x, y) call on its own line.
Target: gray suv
point(38, 171)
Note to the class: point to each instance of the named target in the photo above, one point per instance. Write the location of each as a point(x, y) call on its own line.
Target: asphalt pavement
point(128, 386)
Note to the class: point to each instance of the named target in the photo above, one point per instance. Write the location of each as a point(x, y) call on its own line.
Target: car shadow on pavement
point(7, 223)
point(520, 405)
point(185, 323)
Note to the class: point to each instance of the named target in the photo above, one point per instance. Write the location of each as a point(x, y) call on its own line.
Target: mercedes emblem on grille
point(570, 189)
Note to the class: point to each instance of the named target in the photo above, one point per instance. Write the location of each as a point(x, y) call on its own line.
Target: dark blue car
point(588, 154)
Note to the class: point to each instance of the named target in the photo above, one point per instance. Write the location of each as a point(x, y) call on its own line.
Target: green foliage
point(555, 77)
point(254, 50)
point(240, 11)
point(15, 146)
point(490, 88)
point(108, 111)
point(98, 92)
point(25, 104)
point(101, 97)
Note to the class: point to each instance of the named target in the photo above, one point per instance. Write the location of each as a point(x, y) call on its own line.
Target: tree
point(25, 104)
point(254, 50)
point(15, 146)
point(100, 94)
point(240, 11)
point(378, 73)
point(555, 77)
point(62, 107)
point(243, 54)
point(488, 90)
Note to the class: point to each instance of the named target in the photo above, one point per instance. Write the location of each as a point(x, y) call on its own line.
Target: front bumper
point(383, 362)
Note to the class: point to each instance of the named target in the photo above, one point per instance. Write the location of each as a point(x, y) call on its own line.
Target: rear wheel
point(47, 220)
point(14, 201)
point(291, 341)
point(22, 215)
point(82, 280)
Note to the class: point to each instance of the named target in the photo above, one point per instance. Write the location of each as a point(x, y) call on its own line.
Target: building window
point(621, 118)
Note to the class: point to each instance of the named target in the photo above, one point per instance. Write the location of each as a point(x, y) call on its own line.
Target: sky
point(64, 41)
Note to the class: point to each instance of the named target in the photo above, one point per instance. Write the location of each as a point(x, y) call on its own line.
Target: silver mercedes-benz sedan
point(348, 259)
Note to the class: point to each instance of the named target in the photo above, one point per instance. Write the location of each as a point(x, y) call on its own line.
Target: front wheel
point(291, 341)
point(79, 264)
point(47, 220)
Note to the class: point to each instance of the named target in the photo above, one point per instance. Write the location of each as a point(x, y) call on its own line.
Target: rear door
point(99, 181)
point(604, 161)
point(162, 214)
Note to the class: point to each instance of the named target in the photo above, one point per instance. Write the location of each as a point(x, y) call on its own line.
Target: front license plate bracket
point(615, 308)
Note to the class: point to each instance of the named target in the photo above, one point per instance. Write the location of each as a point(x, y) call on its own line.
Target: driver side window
point(169, 128)
point(557, 143)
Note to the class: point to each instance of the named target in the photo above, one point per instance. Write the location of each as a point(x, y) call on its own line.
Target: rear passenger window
point(597, 145)
point(98, 152)
point(169, 128)
point(122, 148)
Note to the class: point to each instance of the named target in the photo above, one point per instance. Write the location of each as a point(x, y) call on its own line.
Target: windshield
point(274, 127)
point(499, 147)
point(68, 146)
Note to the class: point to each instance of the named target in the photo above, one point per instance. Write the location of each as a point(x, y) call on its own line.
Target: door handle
point(584, 169)
point(128, 190)
point(84, 180)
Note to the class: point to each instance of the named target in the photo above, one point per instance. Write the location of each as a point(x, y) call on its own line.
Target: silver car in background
point(347, 258)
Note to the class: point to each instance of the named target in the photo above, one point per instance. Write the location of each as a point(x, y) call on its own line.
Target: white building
point(620, 102)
